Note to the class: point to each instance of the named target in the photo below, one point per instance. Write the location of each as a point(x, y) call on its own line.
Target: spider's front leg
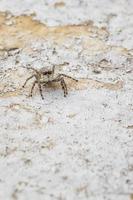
point(35, 82)
point(28, 80)
point(40, 89)
point(64, 87)
point(62, 82)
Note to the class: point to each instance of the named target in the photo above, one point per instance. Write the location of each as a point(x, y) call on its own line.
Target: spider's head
point(44, 71)
point(46, 75)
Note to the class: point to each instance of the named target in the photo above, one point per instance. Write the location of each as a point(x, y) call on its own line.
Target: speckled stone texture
point(74, 148)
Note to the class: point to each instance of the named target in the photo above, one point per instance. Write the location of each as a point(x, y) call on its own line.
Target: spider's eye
point(47, 73)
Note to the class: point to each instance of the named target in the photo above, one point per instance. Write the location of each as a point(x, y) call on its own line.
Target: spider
point(44, 77)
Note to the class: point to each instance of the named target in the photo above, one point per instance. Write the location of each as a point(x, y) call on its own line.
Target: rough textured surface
point(79, 147)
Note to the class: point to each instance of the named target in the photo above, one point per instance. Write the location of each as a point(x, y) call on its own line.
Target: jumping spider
point(43, 78)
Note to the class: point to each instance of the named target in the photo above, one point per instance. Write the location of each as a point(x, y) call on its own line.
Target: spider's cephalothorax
point(43, 77)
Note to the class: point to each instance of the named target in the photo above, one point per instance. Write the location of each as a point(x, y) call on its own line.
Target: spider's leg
point(63, 85)
point(53, 69)
point(33, 88)
point(35, 70)
point(28, 80)
point(62, 82)
point(40, 89)
point(68, 77)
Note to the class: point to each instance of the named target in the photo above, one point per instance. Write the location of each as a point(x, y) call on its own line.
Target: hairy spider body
point(43, 78)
